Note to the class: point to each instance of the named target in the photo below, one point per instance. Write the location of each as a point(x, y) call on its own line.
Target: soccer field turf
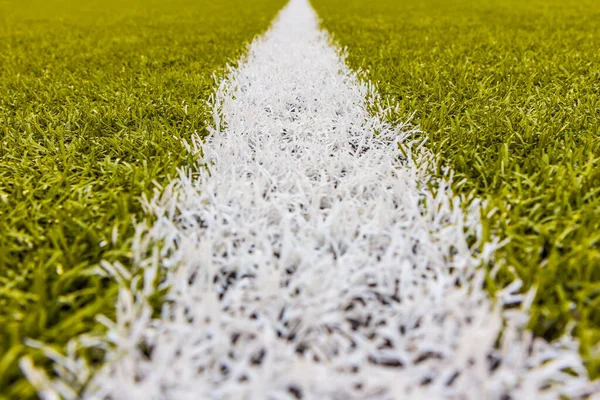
point(95, 100)
point(508, 94)
point(301, 254)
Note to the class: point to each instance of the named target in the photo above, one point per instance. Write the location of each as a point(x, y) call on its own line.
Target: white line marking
point(313, 262)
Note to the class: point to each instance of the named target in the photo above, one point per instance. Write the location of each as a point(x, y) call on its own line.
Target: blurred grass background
point(508, 94)
point(95, 98)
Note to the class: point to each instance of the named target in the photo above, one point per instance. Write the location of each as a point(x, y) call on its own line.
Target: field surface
point(312, 251)
point(95, 99)
point(508, 94)
point(172, 228)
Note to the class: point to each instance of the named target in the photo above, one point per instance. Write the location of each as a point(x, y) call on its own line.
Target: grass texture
point(95, 100)
point(508, 94)
point(304, 266)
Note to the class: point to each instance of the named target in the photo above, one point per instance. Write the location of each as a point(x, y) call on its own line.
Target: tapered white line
point(311, 260)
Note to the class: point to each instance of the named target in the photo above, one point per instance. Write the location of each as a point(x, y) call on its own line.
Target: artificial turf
point(508, 94)
point(96, 98)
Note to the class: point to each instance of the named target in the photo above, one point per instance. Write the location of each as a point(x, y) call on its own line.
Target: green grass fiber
point(508, 94)
point(95, 98)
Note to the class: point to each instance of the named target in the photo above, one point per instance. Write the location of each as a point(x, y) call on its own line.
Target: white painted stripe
point(312, 261)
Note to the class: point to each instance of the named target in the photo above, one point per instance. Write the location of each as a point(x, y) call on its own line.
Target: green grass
point(508, 93)
point(95, 98)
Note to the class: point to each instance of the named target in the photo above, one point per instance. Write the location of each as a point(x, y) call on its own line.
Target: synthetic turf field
point(169, 121)
point(508, 94)
point(95, 100)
